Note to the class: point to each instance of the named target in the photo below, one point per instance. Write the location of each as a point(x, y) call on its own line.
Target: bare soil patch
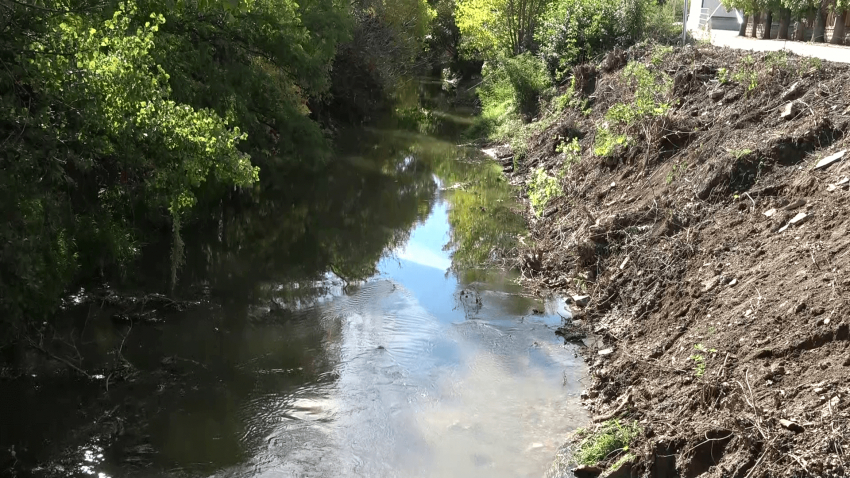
point(717, 261)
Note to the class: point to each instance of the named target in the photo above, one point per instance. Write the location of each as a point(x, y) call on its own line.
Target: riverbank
point(702, 212)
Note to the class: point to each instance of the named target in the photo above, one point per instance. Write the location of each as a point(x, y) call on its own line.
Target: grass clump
point(611, 437)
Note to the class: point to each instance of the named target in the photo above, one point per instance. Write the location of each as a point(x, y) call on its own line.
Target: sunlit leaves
point(109, 76)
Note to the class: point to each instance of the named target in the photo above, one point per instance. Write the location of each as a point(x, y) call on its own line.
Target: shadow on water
point(350, 329)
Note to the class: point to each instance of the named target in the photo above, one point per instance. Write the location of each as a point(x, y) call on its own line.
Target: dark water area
point(347, 327)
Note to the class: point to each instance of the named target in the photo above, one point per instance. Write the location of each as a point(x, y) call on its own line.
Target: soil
point(723, 332)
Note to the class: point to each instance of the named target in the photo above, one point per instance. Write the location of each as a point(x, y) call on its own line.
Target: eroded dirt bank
point(716, 257)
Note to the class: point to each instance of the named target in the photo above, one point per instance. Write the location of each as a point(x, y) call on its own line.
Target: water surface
point(338, 340)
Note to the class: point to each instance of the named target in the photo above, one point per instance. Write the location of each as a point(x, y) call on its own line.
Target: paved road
point(826, 52)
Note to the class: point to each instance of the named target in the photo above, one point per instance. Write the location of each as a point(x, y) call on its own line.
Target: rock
point(790, 425)
point(770, 212)
point(790, 110)
point(831, 407)
point(605, 352)
point(584, 395)
point(839, 184)
point(795, 204)
point(587, 471)
point(717, 94)
point(581, 300)
point(798, 219)
point(709, 284)
point(733, 282)
point(792, 93)
point(830, 159)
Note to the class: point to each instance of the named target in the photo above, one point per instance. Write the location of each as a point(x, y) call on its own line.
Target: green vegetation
point(545, 187)
point(561, 33)
point(699, 359)
point(651, 99)
point(574, 31)
point(675, 171)
point(659, 53)
point(542, 188)
point(740, 153)
point(604, 443)
point(123, 121)
point(723, 75)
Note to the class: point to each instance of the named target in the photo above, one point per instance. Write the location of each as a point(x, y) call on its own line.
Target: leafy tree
point(493, 27)
point(97, 139)
point(575, 30)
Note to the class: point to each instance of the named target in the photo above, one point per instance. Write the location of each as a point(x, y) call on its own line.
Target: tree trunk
point(838, 33)
point(800, 31)
point(784, 24)
point(768, 24)
point(819, 33)
point(742, 32)
point(756, 20)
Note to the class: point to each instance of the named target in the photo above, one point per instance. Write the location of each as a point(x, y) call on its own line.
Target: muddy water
point(339, 343)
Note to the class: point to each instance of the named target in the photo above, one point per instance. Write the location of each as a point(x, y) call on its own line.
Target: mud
point(727, 317)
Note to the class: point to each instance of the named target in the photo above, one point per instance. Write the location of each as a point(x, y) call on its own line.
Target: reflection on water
point(351, 335)
point(413, 385)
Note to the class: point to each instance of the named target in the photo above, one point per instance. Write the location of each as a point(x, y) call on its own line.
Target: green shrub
point(542, 188)
point(513, 84)
point(573, 31)
point(510, 94)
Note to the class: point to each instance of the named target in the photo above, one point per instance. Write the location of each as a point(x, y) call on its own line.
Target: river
point(336, 338)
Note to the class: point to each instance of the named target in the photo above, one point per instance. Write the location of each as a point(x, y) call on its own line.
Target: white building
point(704, 11)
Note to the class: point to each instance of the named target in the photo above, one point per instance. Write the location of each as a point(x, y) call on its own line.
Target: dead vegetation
point(715, 255)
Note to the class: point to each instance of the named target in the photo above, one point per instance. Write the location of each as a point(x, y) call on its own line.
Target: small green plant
point(542, 188)
point(723, 76)
point(777, 59)
point(747, 77)
point(815, 63)
point(570, 99)
point(607, 141)
point(572, 153)
point(611, 437)
point(675, 171)
point(740, 153)
point(699, 359)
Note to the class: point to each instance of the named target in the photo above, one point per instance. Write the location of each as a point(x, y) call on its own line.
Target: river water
point(338, 340)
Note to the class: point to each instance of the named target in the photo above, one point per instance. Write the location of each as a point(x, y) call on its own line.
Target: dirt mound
point(717, 260)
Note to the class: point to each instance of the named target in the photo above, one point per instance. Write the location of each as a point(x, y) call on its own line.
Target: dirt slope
point(724, 332)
